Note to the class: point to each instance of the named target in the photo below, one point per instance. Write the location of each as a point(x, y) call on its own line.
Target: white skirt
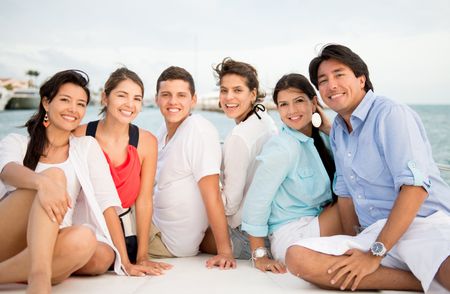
point(292, 232)
point(421, 250)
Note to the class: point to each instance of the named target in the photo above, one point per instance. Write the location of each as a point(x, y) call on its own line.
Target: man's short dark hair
point(344, 55)
point(176, 73)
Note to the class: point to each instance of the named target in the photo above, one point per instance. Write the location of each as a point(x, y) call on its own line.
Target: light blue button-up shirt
point(387, 148)
point(290, 182)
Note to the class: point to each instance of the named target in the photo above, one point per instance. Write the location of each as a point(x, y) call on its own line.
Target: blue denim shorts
point(241, 244)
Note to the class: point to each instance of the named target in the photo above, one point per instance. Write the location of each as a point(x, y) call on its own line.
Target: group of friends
point(355, 204)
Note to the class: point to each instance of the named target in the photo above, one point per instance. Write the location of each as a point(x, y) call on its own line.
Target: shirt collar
point(359, 115)
point(296, 134)
point(364, 106)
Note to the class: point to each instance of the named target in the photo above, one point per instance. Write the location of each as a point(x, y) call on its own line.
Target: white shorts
point(292, 232)
point(421, 250)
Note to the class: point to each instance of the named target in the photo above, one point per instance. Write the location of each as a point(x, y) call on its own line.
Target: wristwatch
point(259, 253)
point(378, 249)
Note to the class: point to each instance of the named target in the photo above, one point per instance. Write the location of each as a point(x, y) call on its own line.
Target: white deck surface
point(189, 275)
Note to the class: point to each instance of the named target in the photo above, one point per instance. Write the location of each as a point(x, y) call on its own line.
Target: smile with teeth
point(231, 105)
point(127, 113)
point(173, 110)
point(297, 117)
point(336, 95)
point(69, 117)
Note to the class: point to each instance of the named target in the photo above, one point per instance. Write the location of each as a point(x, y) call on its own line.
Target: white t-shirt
point(178, 210)
point(241, 147)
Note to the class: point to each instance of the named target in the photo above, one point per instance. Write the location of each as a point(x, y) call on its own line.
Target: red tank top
point(127, 177)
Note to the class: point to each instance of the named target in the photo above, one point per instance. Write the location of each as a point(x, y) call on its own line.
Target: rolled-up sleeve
point(405, 146)
point(273, 165)
point(12, 149)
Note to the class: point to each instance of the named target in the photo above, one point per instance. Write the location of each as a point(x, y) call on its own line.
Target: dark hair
point(176, 73)
point(48, 91)
point(301, 83)
point(116, 77)
point(342, 54)
point(245, 70)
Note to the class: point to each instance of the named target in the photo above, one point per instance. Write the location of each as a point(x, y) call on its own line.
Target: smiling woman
point(51, 210)
point(131, 154)
point(239, 97)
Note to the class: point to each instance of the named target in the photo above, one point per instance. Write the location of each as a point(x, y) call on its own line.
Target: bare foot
point(39, 283)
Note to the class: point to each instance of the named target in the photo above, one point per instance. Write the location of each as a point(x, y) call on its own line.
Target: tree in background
point(33, 74)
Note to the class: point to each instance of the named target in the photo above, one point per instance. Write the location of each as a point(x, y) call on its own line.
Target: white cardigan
point(97, 187)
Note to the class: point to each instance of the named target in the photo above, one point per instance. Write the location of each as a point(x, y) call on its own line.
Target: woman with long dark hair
point(56, 193)
point(290, 195)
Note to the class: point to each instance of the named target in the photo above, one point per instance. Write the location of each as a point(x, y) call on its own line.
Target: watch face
point(377, 247)
point(260, 252)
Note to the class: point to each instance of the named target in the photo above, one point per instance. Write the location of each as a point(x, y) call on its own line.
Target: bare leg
point(14, 211)
point(99, 262)
point(41, 239)
point(208, 244)
point(443, 274)
point(313, 266)
point(41, 236)
point(330, 221)
point(73, 248)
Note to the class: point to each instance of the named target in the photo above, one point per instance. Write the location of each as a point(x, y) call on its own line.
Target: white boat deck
point(189, 275)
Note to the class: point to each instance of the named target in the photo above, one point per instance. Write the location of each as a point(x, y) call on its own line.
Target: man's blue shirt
point(388, 148)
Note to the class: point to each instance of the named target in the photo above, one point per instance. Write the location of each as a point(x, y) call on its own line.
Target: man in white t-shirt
point(186, 196)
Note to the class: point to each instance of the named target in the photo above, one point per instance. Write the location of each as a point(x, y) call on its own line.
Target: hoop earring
point(45, 122)
point(316, 120)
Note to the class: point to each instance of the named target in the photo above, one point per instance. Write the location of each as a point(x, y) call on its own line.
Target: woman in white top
point(239, 99)
point(56, 193)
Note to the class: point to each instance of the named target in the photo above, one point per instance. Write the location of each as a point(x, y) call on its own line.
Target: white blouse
point(241, 147)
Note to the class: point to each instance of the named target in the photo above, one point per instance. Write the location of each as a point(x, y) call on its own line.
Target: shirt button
point(359, 196)
point(352, 177)
point(371, 208)
point(349, 154)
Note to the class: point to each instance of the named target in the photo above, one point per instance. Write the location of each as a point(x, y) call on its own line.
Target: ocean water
point(436, 119)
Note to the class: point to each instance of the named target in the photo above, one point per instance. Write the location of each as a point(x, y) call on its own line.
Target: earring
point(45, 122)
point(316, 120)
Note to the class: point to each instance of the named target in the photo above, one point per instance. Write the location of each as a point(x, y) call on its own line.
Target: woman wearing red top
point(131, 153)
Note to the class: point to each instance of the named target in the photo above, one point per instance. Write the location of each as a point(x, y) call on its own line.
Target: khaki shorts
point(156, 247)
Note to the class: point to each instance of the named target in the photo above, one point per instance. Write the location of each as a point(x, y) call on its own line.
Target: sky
point(406, 43)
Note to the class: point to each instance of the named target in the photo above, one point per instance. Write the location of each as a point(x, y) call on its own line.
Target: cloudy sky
point(406, 43)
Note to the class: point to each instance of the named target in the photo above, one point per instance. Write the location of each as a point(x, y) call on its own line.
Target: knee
point(101, 261)
point(298, 261)
point(443, 274)
point(80, 244)
point(84, 241)
point(56, 174)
